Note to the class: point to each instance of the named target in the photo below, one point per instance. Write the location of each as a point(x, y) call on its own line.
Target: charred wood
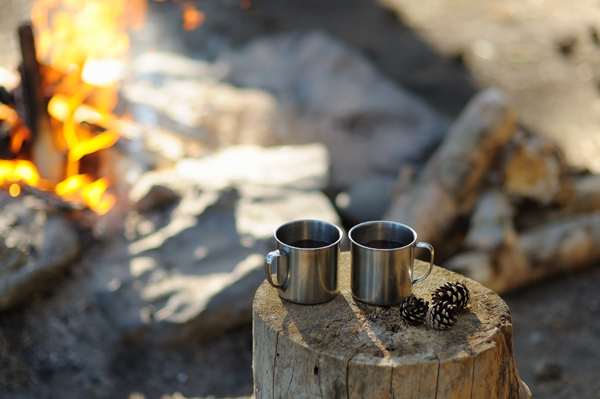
point(6, 97)
point(49, 160)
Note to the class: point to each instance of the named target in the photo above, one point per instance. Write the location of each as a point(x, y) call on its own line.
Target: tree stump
point(347, 349)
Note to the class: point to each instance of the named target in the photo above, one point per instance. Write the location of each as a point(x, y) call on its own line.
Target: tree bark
point(346, 349)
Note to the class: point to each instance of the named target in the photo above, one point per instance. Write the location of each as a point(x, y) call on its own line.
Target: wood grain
point(347, 349)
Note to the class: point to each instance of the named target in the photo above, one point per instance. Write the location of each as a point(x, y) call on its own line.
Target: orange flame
point(18, 172)
point(80, 43)
point(192, 18)
point(14, 190)
point(17, 138)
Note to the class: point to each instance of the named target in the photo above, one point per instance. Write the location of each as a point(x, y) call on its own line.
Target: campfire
point(61, 117)
point(149, 149)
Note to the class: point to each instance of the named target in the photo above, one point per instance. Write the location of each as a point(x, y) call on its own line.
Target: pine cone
point(442, 315)
point(414, 309)
point(455, 293)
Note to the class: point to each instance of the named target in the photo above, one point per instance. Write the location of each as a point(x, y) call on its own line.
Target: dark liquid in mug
point(310, 244)
point(384, 244)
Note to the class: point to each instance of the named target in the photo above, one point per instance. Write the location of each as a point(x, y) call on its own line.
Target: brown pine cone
point(414, 309)
point(442, 315)
point(454, 293)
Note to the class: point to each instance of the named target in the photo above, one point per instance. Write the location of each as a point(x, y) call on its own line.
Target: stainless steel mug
point(382, 262)
point(307, 261)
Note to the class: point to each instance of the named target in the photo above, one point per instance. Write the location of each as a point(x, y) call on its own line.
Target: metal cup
point(307, 261)
point(382, 262)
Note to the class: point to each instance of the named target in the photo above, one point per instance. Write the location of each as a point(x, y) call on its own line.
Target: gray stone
point(195, 275)
point(159, 65)
point(35, 245)
point(152, 197)
point(332, 94)
point(365, 200)
point(217, 114)
point(300, 166)
point(295, 89)
point(548, 370)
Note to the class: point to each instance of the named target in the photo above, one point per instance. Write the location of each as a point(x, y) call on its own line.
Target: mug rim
point(388, 222)
point(340, 232)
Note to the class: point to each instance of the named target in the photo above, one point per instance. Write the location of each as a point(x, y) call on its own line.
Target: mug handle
point(430, 248)
point(268, 260)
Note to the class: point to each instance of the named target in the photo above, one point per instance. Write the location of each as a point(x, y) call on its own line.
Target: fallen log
point(344, 348)
point(450, 184)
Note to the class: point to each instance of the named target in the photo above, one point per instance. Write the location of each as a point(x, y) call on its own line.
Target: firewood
point(491, 223)
point(584, 197)
point(452, 179)
point(475, 264)
point(535, 169)
point(49, 160)
point(560, 246)
point(6, 97)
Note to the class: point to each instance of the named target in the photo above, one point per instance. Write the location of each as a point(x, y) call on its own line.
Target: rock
point(366, 200)
point(35, 245)
point(548, 371)
point(160, 65)
point(297, 89)
point(195, 275)
point(299, 166)
point(260, 211)
point(330, 93)
point(217, 114)
point(303, 167)
point(151, 197)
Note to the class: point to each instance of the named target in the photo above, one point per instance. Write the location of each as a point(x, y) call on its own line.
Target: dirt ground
point(59, 345)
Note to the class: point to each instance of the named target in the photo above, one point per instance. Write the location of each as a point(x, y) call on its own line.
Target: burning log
point(451, 181)
point(49, 160)
point(6, 97)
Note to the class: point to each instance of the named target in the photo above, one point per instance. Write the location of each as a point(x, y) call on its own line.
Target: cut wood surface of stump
point(347, 349)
